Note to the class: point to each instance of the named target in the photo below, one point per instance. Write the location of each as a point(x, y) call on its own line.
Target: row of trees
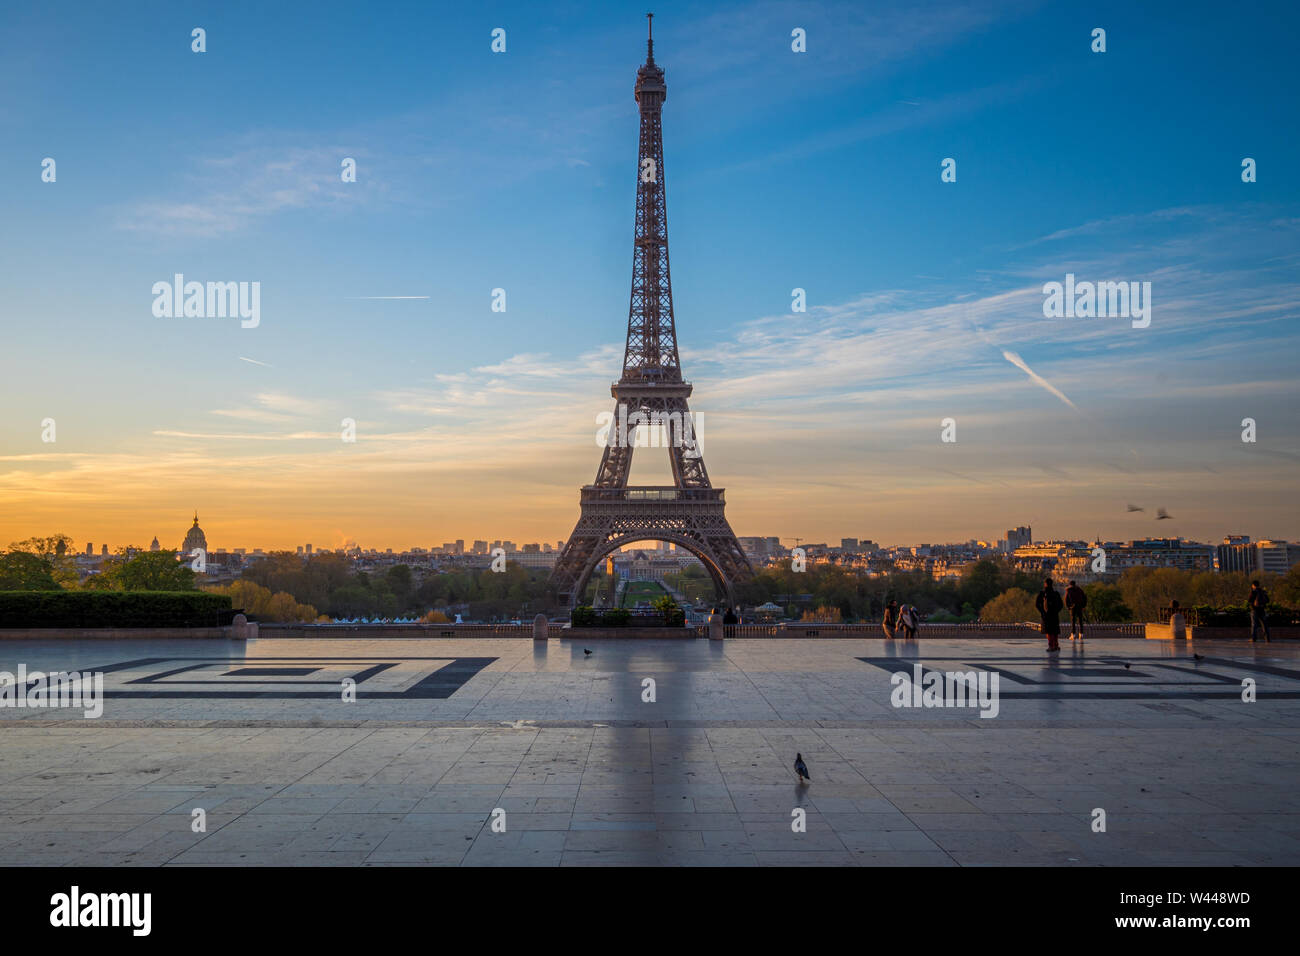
point(24, 570)
point(264, 605)
point(329, 583)
point(860, 598)
point(46, 564)
point(1141, 593)
point(284, 586)
point(288, 587)
point(992, 590)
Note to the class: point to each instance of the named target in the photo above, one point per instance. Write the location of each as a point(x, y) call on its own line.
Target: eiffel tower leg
point(616, 460)
point(567, 579)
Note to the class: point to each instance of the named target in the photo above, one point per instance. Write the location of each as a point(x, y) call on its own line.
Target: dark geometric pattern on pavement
point(1106, 678)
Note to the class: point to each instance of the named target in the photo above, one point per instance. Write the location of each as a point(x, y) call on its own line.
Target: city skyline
point(519, 542)
point(925, 299)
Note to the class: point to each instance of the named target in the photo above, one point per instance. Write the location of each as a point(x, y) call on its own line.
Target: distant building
point(1273, 556)
point(754, 547)
point(1018, 538)
point(154, 545)
point(103, 550)
point(1161, 553)
point(1238, 554)
point(480, 547)
point(642, 565)
point(90, 548)
point(194, 538)
point(533, 559)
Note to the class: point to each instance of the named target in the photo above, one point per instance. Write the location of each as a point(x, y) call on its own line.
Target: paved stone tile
point(588, 775)
point(804, 857)
point(877, 840)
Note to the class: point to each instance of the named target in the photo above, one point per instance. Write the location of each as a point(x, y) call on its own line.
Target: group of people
point(902, 618)
point(729, 621)
point(1049, 604)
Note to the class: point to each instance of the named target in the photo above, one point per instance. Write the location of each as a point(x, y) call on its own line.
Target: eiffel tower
point(651, 392)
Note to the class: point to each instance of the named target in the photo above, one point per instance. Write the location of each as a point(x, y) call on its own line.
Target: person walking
point(890, 623)
point(1258, 603)
point(1076, 601)
point(1049, 606)
point(729, 621)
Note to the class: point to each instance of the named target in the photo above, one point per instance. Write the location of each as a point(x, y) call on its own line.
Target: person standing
point(1177, 623)
point(890, 623)
point(1076, 601)
point(907, 621)
point(729, 621)
point(1258, 603)
point(1049, 606)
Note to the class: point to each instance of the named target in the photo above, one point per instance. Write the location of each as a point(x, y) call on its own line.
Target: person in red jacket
point(1076, 601)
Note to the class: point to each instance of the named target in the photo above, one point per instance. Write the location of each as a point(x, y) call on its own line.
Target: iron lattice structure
point(690, 512)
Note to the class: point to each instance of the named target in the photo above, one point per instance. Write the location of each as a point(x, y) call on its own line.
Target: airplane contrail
point(255, 362)
point(1037, 379)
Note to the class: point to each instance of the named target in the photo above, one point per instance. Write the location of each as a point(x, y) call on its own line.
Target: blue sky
point(479, 171)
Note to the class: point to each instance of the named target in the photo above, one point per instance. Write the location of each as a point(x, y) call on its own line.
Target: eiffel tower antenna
point(651, 393)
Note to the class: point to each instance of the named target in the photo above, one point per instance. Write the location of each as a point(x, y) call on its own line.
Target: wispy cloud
point(272, 407)
point(1034, 377)
point(237, 189)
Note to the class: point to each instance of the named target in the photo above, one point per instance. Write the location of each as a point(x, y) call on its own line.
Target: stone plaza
point(502, 751)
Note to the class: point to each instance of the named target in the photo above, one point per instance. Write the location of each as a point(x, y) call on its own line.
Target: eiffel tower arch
point(651, 393)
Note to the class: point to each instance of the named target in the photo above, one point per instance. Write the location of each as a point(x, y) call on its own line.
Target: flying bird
point(1162, 514)
point(1133, 508)
point(801, 768)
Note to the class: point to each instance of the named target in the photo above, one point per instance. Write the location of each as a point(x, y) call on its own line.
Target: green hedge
point(113, 609)
point(1205, 615)
point(587, 616)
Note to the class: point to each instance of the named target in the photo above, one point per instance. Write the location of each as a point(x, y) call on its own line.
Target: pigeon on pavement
point(801, 768)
